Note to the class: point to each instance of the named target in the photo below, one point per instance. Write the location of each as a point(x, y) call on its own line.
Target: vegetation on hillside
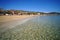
point(21, 12)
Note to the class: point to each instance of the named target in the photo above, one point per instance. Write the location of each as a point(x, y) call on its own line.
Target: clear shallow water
point(38, 28)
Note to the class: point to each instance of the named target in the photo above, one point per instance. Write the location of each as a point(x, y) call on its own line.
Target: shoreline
point(13, 23)
point(14, 17)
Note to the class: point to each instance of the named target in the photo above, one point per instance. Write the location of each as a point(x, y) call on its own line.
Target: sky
point(31, 5)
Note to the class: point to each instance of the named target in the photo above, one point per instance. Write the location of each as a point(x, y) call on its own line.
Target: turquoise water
point(38, 28)
point(49, 25)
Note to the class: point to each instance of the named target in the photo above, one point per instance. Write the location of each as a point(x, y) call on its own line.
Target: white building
point(38, 13)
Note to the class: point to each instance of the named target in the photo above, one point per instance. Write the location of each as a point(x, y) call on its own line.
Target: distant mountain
point(54, 13)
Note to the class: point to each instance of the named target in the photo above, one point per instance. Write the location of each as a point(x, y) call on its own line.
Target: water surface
point(38, 28)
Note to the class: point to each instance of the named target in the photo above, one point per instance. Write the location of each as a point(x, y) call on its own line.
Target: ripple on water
point(39, 28)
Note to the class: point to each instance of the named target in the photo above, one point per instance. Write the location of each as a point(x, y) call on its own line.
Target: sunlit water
point(38, 28)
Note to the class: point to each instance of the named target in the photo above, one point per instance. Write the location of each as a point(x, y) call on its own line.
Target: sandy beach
point(14, 17)
point(8, 22)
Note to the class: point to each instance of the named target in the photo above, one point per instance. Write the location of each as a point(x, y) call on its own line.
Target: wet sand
point(8, 22)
